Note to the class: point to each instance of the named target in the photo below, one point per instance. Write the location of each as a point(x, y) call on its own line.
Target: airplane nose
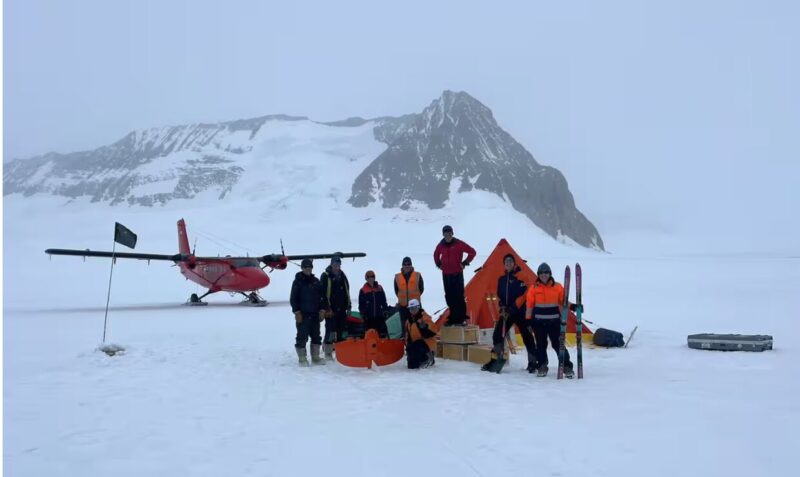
point(253, 278)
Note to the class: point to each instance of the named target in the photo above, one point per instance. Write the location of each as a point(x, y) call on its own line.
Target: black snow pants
point(548, 328)
point(454, 296)
point(308, 328)
point(335, 326)
point(418, 355)
point(524, 329)
point(377, 323)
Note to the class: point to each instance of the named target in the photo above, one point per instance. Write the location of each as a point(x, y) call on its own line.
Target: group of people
point(327, 299)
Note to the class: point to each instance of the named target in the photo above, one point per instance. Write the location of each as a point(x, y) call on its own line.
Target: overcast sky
point(681, 114)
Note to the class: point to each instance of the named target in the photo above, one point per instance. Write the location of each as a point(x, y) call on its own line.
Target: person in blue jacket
point(510, 295)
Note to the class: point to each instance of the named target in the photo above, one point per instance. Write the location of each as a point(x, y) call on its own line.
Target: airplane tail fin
point(183, 239)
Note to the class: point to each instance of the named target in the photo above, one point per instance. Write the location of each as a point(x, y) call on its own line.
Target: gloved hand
point(321, 315)
point(576, 307)
point(439, 266)
point(464, 264)
point(298, 316)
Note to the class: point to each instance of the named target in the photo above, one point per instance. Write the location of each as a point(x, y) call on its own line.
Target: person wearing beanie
point(544, 302)
point(449, 258)
point(336, 303)
point(510, 297)
point(372, 305)
point(408, 285)
point(420, 337)
point(306, 301)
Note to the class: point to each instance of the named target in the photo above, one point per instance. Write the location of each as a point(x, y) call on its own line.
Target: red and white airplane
point(244, 275)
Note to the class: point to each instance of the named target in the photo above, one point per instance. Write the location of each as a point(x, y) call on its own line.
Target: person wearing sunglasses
point(544, 301)
point(372, 305)
point(448, 257)
point(420, 337)
point(306, 301)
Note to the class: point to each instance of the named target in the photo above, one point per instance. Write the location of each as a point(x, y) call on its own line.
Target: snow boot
point(315, 357)
point(498, 365)
point(542, 371)
point(488, 366)
point(569, 373)
point(531, 367)
point(428, 362)
point(301, 356)
point(328, 349)
point(497, 362)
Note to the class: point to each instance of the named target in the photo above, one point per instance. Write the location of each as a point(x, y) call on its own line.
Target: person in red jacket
point(449, 258)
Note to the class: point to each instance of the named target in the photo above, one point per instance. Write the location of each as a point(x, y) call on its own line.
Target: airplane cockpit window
point(244, 262)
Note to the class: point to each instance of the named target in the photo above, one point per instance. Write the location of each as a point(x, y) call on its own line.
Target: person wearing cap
point(306, 301)
point(336, 303)
point(408, 285)
point(372, 305)
point(449, 258)
point(511, 299)
point(420, 337)
point(544, 302)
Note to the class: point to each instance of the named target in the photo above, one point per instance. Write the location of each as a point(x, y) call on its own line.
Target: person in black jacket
point(306, 302)
point(336, 303)
point(510, 289)
point(372, 305)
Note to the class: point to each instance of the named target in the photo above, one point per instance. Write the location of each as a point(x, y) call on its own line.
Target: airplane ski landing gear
point(253, 299)
point(194, 300)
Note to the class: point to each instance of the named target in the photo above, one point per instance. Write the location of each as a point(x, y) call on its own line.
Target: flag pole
point(108, 297)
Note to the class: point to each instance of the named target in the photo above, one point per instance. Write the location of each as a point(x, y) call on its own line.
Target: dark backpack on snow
point(608, 338)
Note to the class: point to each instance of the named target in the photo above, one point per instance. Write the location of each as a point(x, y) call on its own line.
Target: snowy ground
point(216, 390)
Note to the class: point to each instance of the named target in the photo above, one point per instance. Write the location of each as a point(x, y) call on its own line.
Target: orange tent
point(481, 292)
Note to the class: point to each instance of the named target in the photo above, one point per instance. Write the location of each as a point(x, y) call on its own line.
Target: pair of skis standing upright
point(578, 323)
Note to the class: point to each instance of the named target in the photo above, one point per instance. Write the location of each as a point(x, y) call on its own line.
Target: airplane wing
point(276, 257)
point(138, 256)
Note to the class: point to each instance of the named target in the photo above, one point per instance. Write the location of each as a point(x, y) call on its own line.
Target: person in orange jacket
point(408, 284)
point(544, 302)
point(420, 337)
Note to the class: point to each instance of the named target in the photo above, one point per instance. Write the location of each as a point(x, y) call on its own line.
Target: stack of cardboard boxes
point(461, 343)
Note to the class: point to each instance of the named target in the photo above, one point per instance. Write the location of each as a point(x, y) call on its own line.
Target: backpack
point(608, 338)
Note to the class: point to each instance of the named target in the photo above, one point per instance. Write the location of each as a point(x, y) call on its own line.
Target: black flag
point(124, 236)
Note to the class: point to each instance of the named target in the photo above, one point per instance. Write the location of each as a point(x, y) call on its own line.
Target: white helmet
point(413, 303)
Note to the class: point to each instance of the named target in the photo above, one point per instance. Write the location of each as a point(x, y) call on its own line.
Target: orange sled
point(362, 352)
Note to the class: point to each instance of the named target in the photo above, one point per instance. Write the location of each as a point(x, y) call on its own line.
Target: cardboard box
point(459, 334)
point(485, 336)
point(480, 354)
point(456, 352)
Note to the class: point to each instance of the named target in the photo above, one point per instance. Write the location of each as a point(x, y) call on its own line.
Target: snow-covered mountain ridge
point(394, 162)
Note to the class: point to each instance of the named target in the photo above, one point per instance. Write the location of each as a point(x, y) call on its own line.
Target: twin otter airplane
point(244, 275)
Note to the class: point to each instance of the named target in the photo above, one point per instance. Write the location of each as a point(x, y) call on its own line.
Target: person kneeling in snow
point(420, 337)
